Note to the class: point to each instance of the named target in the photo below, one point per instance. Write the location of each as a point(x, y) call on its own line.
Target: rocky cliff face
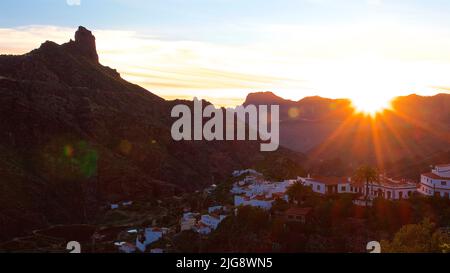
point(85, 44)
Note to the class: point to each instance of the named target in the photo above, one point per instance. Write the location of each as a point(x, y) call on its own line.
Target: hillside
point(75, 136)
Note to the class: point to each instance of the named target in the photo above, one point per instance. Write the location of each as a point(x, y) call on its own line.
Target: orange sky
point(369, 63)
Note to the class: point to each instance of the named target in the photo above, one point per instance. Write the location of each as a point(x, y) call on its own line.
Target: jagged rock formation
point(85, 42)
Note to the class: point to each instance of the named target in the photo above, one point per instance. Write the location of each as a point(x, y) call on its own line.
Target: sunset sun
point(370, 106)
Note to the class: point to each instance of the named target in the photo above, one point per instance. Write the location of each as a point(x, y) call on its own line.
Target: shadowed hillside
point(75, 136)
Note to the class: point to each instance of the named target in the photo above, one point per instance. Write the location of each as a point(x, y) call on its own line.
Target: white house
point(215, 208)
point(212, 221)
point(391, 189)
point(436, 182)
point(126, 247)
point(239, 189)
point(328, 185)
point(150, 235)
point(385, 187)
point(279, 188)
point(188, 221)
point(260, 201)
point(202, 228)
point(202, 224)
point(240, 200)
point(261, 187)
point(259, 193)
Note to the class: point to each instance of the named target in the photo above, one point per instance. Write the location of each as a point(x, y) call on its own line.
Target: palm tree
point(300, 193)
point(366, 174)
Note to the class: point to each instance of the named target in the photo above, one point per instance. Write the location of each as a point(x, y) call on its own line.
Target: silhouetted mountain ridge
point(337, 139)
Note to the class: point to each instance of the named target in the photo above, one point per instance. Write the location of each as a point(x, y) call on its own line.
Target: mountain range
point(403, 140)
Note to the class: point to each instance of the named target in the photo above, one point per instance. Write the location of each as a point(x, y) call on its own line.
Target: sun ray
point(377, 142)
point(393, 131)
point(327, 142)
point(361, 135)
point(440, 133)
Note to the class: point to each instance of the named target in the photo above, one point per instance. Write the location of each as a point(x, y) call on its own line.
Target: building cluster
point(206, 223)
point(254, 190)
point(149, 236)
point(436, 182)
point(384, 187)
point(144, 238)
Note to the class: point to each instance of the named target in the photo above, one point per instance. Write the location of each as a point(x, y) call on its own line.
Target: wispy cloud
point(170, 68)
point(293, 60)
point(73, 2)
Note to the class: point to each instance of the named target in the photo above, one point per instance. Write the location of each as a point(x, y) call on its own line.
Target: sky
point(220, 50)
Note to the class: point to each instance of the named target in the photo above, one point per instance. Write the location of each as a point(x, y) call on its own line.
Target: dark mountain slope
point(74, 136)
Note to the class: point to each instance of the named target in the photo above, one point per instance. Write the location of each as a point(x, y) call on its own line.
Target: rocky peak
point(267, 97)
point(85, 43)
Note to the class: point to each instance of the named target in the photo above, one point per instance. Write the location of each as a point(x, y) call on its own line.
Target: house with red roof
point(297, 215)
point(327, 185)
point(436, 182)
point(384, 187)
point(392, 189)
